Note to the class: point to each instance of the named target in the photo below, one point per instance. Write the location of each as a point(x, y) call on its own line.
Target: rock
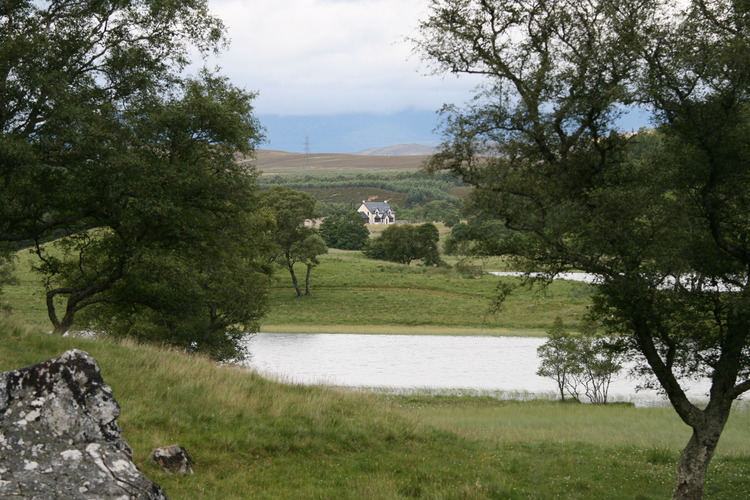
point(174, 459)
point(59, 436)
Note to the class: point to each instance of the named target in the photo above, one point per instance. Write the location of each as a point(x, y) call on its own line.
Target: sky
point(338, 75)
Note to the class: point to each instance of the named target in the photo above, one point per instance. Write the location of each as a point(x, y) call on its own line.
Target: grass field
point(367, 296)
point(255, 438)
point(358, 295)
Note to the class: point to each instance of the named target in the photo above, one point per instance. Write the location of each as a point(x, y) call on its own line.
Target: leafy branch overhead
point(661, 216)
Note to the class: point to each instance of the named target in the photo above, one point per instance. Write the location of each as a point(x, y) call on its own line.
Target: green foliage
point(479, 236)
point(418, 187)
point(663, 222)
point(346, 232)
point(295, 242)
point(404, 243)
point(71, 77)
point(178, 228)
point(109, 149)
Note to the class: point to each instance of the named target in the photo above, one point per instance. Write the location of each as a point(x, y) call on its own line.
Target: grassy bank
point(255, 438)
point(356, 294)
point(353, 294)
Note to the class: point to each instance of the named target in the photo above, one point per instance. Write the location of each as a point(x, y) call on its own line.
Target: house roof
point(376, 205)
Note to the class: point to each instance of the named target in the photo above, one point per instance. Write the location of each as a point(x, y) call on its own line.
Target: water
point(419, 363)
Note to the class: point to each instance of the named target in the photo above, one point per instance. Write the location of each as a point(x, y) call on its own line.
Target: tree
point(110, 150)
point(295, 242)
point(347, 231)
point(68, 72)
point(441, 211)
point(182, 205)
point(664, 227)
point(307, 252)
point(205, 300)
point(581, 364)
point(404, 243)
point(556, 356)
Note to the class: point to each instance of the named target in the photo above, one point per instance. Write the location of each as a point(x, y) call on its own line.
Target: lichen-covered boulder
point(59, 436)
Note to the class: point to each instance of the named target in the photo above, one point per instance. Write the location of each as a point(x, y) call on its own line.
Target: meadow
point(354, 294)
point(252, 437)
point(359, 295)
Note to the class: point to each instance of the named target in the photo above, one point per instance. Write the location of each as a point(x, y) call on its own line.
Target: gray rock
point(59, 436)
point(173, 459)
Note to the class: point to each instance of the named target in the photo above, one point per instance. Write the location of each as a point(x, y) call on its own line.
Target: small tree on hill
point(295, 242)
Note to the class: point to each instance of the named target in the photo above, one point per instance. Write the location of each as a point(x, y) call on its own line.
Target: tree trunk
point(59, 326)
point(695, 458)
point(295, 281)
point(307, 279)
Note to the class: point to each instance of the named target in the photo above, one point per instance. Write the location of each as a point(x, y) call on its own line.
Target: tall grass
point(256, 438)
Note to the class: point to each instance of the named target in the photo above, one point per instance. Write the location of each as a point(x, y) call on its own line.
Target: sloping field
point(280, 162)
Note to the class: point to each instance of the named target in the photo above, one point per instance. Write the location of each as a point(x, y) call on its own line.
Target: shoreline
point(402, 330)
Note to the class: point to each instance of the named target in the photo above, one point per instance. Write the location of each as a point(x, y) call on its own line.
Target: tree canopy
point(661, 216)
point(128, 164)
point(295, 241)
point(404, 243)
point(346, 231)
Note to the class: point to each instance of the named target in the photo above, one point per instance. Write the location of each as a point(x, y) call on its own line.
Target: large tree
point(68, 71)
point(109, 149)
point(662, 217)
point(180, 203)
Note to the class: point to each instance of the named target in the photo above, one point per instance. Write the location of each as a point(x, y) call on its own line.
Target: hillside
point(251, 437)
point(280, 162)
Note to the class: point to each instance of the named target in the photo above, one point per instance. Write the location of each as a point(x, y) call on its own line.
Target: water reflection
point(416, 362)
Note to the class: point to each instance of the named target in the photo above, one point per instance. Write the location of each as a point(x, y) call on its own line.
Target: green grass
point(554, 422)
point(353, 293)
point(256, 438)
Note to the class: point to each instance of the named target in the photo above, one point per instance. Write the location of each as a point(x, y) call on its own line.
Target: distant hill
point(280, 162)
point(401, 150)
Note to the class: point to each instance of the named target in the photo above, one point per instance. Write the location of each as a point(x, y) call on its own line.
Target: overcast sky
point(338, 75)
point(311, 57)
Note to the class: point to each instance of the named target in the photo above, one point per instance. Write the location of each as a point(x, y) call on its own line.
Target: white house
point(377, 212)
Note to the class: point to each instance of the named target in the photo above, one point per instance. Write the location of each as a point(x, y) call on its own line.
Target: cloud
point(331, 56)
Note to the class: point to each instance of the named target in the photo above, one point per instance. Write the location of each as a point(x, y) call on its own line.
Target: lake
point(501, 366)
